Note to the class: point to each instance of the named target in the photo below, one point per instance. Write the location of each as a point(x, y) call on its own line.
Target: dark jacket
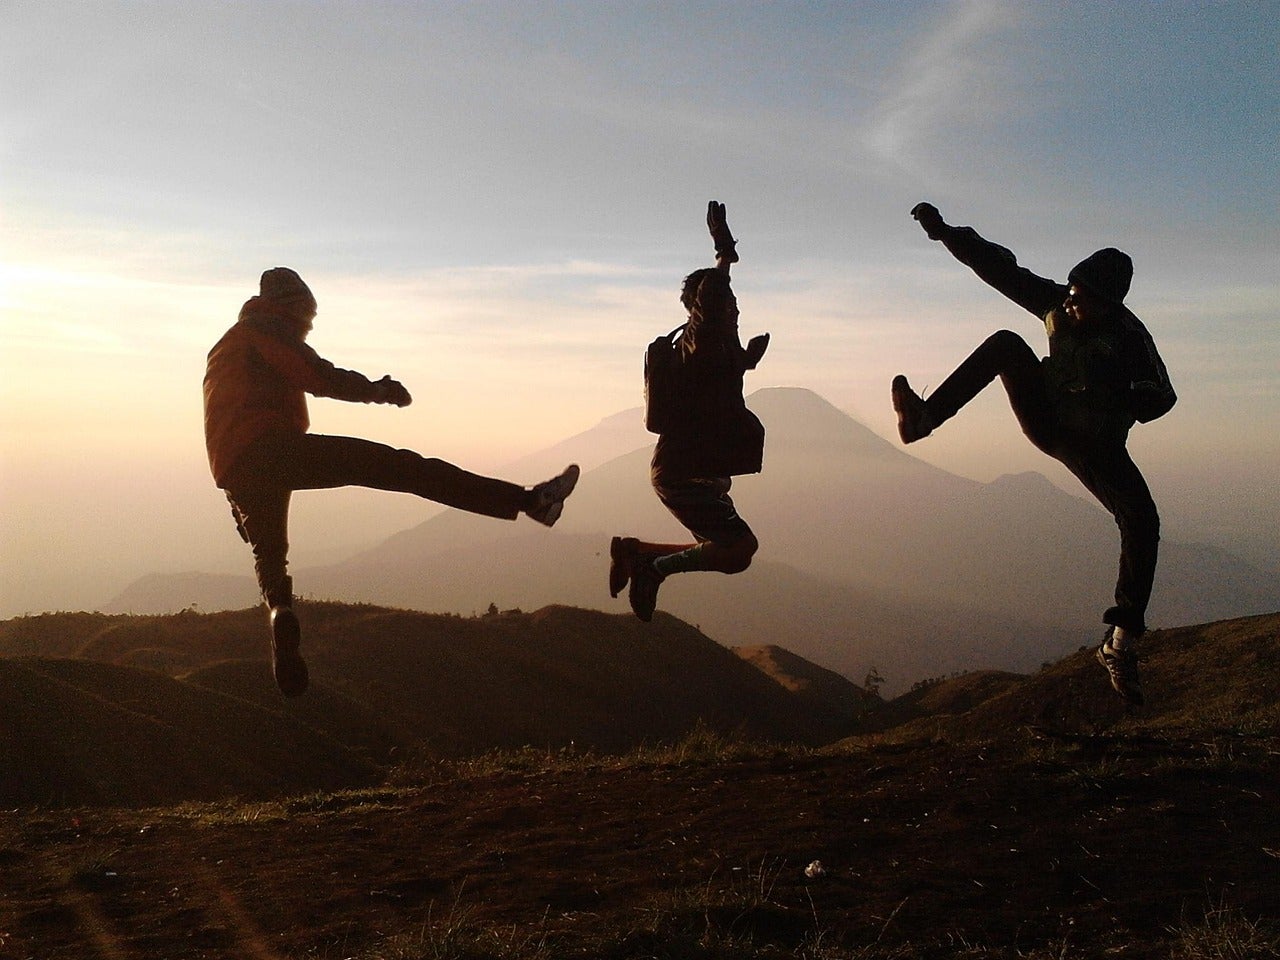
point(714, 434)
point(1102, 376)
point(256, 380)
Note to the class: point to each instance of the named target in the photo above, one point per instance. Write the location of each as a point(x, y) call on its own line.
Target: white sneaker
point(548, 497)
point(1122, 668)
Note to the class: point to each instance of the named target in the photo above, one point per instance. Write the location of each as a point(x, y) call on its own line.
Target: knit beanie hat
point(285, 287)
point(1105, 273)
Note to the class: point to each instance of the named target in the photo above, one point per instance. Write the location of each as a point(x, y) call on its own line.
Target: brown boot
point(287, 665)
point(645, 580)
point(623, 552)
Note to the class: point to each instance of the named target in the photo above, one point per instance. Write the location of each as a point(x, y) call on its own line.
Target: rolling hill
point(157, 709)
point(79, 732)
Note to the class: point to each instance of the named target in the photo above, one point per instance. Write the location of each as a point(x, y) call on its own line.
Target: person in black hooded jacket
point(1102, 375)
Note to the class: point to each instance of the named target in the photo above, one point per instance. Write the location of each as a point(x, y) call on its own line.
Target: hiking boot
point(623, 552)
point(287, 665)
point(914, 422)
point(645, 580)
point(547, 498)
point(1122, 668)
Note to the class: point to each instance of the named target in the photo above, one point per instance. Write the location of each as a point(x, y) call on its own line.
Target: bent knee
point(738, 554)
point(1142, 522)
point(1007, 340)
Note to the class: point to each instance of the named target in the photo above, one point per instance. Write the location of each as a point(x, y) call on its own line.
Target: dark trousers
point(267, 474)
point(703, 506)
point(1102, 464)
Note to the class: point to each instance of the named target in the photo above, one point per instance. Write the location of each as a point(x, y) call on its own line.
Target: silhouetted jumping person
point(255, 421)
point(1077, 404)
point(706, 435)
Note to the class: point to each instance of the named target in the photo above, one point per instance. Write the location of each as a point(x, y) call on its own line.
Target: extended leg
point(315, 461)
point(1004, 354)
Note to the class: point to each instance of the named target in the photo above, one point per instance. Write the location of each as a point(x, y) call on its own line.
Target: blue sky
point(495, 202)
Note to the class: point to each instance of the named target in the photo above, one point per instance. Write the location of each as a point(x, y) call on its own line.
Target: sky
point(496, 202)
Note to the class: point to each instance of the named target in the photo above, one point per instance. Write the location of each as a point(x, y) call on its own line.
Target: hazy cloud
point(956, 77)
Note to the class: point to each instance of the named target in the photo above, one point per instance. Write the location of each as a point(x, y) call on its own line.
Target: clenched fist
point(927, 215)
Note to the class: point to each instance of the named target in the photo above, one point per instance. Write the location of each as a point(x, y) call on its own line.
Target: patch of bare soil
point(1064, 846)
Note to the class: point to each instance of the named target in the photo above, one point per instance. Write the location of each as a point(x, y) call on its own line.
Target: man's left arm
point(309, 371)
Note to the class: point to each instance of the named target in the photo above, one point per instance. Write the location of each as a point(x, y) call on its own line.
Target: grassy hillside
point(156, 709)
point(1031, 818)
point(74, 732)
point(1218, 678)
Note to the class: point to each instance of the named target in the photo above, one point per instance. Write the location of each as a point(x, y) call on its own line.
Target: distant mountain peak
point(1026, 479)
point(796, 415)
point(793, 398)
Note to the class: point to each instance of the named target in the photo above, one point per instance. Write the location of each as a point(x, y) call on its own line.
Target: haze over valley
point(869, 558)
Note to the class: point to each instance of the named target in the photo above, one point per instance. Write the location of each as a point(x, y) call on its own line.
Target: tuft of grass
point(705, 745)
point(702, 746)
point(1225, 933)
point(458, 935)
point(525, 759)
point(222, 813)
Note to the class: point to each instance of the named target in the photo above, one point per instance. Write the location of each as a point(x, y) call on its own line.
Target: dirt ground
point(1070, 846)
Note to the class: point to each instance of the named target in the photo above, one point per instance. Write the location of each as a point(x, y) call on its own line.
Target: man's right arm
point(995, 265)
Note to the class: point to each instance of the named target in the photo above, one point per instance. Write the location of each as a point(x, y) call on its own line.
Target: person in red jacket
point(711, 438)
point(260, 451)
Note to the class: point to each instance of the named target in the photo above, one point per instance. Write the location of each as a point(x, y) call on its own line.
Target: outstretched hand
point(756, 347)
point(718, 224)
point(927, 215)
point(717, 219)
point(393, 391)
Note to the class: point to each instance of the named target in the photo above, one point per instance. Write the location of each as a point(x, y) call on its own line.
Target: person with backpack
point(706, 434)
point(1102, 375)
point(260, 451)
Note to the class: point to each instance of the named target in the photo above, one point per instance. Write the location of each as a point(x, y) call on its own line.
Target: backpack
point(1151, 395)
point(662, 364)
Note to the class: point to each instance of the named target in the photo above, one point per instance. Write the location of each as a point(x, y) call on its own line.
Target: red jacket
point(256, 383)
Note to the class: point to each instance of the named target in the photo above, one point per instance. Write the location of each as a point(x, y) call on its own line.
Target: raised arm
point(726, 254)
point(995, 265)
